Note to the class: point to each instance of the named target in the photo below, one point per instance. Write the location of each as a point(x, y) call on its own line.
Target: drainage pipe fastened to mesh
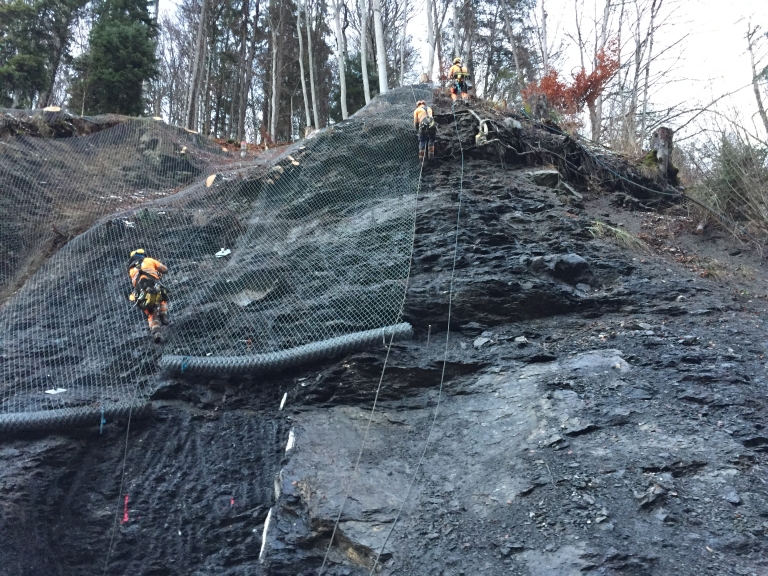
point(270, 361)
point(66, 417)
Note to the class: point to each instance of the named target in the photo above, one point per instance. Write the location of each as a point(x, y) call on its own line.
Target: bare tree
point(337, 6)
point(596, 116)
point(751, 33)
point(381, 50)
point(456, 49)
point(402, 44)
point(301, 64)
point(311, 66)
point(364, 49)
point(655, 7)
point(544, 46)
point(195, 72)
point(513, 44)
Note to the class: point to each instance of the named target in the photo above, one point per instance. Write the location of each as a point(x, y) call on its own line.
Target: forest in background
point(265, 70)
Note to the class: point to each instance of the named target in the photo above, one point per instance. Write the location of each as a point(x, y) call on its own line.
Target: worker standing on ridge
point(426, 127)
point(148, 293)
point(459, 75)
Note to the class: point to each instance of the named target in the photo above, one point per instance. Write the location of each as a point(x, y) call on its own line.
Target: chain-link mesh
point(273, 261)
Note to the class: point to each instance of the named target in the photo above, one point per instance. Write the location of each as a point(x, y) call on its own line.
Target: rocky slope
point(602, 411)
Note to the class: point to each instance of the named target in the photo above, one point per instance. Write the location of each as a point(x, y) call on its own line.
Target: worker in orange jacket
point(148, 293)
point(459, 75)
point(426, 127)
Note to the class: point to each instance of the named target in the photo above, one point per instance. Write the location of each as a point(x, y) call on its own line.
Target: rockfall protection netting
point(274, 261)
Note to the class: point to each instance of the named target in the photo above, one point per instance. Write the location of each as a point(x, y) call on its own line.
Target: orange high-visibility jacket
point(149, 267)
point(419, 114)
point(457, 72)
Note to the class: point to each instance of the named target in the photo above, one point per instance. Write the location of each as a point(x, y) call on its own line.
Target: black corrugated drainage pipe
point(58, 418)
point(271, 361)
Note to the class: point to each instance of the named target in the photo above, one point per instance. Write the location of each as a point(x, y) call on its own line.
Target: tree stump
point(539, 106)
point(661, 143)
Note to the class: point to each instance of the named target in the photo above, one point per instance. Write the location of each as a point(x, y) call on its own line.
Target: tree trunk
point(402, 44)
point(755, 84)
point(301, 67)
point(246, 87)
point(273, 101)
point(340, 58)
point(513, 43)
point(596, 119)
point(643, 121)
point(195, 72)
point(311, 66)
point(456, 29)
point(544, 47)
point(364, 49)
point(381, 50)
point(205, 104)
point(430, 39)
point(661, 142)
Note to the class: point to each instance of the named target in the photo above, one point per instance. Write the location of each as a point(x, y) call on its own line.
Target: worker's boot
point(431, 154)
point(157, 336)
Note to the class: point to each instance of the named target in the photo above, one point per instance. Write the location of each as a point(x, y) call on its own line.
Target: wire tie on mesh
point(102, 421)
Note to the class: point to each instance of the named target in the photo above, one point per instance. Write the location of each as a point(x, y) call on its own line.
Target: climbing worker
point(459, 75)
point(148, 293)
point(426, 127)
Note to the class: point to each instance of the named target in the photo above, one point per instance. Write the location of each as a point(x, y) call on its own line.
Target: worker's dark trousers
point(427, 137)
point(157, 316)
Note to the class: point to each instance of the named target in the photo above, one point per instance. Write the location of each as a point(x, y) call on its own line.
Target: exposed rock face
point(600, 412)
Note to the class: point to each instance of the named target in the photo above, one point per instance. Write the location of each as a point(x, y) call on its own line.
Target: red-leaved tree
point(569, 99)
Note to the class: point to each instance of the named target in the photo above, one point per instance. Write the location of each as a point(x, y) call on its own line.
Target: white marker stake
point(264, 535)
point(285, 397)
point(291, 441)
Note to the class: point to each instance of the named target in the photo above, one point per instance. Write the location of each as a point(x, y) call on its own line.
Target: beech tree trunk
point(195, 73)
point(544, 47)
point(311, 66)
point(402, 44)
point(456, 29)
point(751, 32)
point(596, 117)
point(430, 38)
point(364, 49)
point(381, 50)
point(340, 58)
point(246, 87)
point(643, 121)
point(301, 67)
point(273, 107)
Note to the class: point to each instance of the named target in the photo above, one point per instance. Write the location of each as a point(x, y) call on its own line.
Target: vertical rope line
point(381, 379)
point(122, 481)
point(445, 354)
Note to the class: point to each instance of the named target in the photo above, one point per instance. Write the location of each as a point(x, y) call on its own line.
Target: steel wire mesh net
point(310, 244)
